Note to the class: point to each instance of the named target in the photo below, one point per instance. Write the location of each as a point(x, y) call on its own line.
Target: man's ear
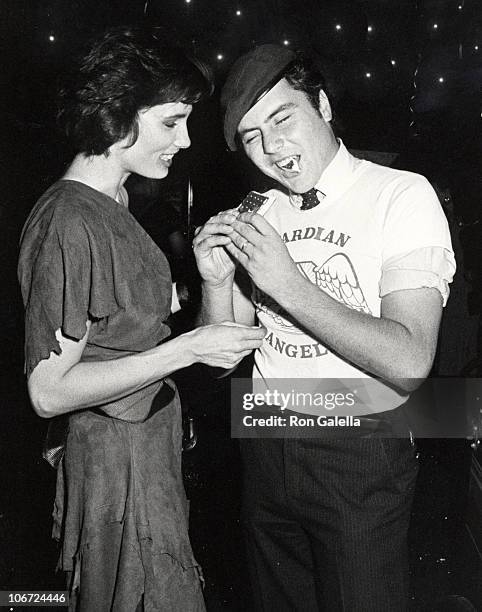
point(324, 106)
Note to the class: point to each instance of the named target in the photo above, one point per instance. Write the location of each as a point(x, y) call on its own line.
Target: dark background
point(405, 78)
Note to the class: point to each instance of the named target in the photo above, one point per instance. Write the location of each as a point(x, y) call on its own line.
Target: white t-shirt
point(376, 230)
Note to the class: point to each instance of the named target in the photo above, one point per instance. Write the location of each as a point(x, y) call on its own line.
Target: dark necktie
point(309, 199)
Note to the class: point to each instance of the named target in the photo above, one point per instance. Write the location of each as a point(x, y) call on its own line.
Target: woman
point(97, 292)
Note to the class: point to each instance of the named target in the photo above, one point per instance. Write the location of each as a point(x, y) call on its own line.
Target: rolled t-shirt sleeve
point(417, 249)
point(425, 267)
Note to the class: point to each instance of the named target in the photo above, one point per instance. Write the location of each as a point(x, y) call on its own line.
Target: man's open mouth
point(290, 163)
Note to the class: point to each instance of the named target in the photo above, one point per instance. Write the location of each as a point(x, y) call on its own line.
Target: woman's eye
point(170, 124)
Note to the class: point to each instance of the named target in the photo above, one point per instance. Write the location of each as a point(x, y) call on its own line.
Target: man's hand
point(214, 263)
point(259, 248)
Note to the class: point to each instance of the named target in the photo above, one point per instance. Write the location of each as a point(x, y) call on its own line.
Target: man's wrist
point(217, 302)
point(219, 286)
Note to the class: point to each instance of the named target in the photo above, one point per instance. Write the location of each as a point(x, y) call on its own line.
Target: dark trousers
point(326, 523)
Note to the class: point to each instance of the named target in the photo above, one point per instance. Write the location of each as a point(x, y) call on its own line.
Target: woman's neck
point(99, 172)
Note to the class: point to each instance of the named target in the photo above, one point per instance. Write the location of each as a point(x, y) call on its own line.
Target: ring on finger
point(244, 245)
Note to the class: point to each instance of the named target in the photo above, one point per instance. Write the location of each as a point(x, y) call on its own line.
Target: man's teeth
point(289, 163)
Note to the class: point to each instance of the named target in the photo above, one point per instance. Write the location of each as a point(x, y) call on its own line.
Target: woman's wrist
point(185, 346)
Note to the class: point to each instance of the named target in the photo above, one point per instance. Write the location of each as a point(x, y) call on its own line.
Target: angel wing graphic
point(336, 276)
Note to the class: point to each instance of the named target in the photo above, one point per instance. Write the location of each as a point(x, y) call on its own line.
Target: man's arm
point(217, 302)
point(222, 298)
point(398, 346)
point(244, 311)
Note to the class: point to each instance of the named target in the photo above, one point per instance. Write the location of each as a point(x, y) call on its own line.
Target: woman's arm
point(62, 383)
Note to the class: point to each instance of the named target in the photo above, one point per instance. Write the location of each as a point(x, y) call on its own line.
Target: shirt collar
point(332, 182)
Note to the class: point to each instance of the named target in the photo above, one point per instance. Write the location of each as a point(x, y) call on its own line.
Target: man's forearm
point(382, 346)
point(217, 303)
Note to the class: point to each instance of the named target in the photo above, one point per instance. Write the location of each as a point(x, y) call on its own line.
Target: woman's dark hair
point(124, 71)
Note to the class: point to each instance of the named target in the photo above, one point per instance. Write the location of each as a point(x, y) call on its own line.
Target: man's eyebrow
point(279, 109)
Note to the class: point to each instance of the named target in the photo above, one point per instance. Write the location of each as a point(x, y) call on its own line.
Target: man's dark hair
point(123, 72)
point(305, 75)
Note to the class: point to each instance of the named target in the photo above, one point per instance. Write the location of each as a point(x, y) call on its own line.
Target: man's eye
point(170, 124)
point(251, 139)
point(282, 119)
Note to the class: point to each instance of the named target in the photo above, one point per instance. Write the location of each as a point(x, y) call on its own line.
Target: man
point(349, 269)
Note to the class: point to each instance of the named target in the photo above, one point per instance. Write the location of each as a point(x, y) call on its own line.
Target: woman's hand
point(213, 261)
point(224, 345)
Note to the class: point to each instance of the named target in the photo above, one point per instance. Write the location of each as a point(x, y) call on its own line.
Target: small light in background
point(435, 26)
point(338, 26)
point(476, 47)
point(368, 75)
point(441, 79)
point(52, 38)
point(238, 13)
point(393, 62)
point(220, 56)
point(370, 28)
point(286, 42)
